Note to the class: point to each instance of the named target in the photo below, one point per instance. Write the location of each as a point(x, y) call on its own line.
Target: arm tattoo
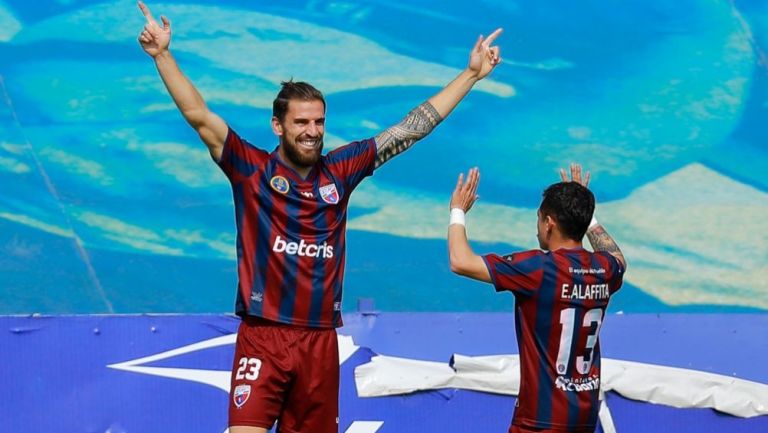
point(398, 138)
point(602, 241)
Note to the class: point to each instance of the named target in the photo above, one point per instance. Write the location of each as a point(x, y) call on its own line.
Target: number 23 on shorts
point(248, 369)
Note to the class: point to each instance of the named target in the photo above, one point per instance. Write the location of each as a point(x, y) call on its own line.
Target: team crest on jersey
point(329, 193)
point(280, 184)
point(241, 394)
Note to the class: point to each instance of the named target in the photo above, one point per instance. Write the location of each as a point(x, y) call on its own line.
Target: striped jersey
point(291, 231)
point(560, 302)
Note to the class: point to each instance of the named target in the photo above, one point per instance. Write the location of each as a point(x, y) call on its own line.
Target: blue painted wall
point(109, 203)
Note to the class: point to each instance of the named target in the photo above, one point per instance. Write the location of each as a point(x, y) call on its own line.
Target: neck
point(560, 242)
point(302, 170)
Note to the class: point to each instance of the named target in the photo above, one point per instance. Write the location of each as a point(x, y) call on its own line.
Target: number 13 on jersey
point(592, 319)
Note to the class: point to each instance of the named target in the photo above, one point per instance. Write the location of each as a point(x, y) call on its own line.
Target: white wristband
point(593, 223)
point(457, 217)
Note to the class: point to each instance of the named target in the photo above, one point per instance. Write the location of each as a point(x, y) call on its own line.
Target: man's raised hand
point(575, 175)
point(484, 57)
point(465, 193)
point(154, 39)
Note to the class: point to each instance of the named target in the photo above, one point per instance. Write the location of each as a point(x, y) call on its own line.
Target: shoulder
point(521, 256)
point(351, 149)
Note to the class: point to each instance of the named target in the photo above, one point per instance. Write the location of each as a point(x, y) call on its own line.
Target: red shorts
point(286, 374)
point(518, 429)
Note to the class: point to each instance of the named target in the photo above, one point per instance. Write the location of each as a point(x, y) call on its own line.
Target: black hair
point(571, 205)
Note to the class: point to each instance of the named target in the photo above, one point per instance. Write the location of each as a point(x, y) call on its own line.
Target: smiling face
point(301, 133)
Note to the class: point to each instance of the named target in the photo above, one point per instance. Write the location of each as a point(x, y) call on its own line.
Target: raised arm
point(596, 233)
point(460, 255)
point(155, 40)
point(424, 118)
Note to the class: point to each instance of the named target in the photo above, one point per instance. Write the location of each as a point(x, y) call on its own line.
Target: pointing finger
point(146, 12)
point(489, 40)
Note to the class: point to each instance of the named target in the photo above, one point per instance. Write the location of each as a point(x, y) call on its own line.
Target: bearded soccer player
point(291, 212)
point(561, 293)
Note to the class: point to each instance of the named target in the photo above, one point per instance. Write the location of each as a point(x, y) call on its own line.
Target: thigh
point(260, 377)
point(313, 403)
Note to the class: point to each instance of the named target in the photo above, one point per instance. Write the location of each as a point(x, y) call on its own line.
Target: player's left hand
point(484, 57)
point(465, 193)
point(154, 38)
point(575, 175)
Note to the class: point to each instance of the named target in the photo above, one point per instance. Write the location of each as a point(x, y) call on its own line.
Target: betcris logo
point(302, 248)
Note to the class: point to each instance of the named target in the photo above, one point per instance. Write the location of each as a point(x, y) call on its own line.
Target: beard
point(300, 157)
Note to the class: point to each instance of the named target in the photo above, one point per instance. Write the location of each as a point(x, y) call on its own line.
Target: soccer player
point(291, 212)
point(561, 292)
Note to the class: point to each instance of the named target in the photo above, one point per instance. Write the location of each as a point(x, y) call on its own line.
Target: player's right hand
point(154, 39)
point(465, 193)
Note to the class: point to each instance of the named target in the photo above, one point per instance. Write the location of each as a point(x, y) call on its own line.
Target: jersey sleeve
point(354, 161)
point(240, 159)
point(520, 273)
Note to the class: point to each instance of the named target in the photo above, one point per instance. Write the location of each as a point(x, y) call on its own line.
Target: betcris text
point(302, 248)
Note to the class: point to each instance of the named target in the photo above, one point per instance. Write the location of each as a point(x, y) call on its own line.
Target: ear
point(277, 127)
point(549, 222)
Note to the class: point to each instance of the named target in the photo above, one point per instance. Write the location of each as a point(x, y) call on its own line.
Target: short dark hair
point(294, 90)
point(572, 205)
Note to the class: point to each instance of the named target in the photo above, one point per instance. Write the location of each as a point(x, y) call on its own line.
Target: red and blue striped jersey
point(291, 231)
point(560, 302)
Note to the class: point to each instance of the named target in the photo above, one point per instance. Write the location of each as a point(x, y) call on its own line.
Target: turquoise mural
point(110, 204)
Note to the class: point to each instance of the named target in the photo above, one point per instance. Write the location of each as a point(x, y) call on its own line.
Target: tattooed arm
point(602, 241)
point(424, 118)
point(598, 237)
point(398, 138)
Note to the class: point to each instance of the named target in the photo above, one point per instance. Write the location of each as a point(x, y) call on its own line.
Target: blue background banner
point(110, 204)
point(60, 373)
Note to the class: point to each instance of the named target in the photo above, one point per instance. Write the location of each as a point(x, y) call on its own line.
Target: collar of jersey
point(296, 177)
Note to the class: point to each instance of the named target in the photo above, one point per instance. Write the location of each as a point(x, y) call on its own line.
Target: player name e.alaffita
point(585, 291)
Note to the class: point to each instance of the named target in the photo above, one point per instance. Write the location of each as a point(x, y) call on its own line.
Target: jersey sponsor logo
point(280, 184)
point(241, 394)
point(329, 193)
point(591, 383)
point(302, 248)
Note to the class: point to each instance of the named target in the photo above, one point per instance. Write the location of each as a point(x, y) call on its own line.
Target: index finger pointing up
point(146, 12)
point(489, 40)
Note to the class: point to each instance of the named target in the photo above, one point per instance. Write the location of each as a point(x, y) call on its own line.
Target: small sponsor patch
point(329, 194)
point(241, 394)
point(280, 184)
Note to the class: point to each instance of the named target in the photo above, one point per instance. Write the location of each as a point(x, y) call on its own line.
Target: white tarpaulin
point(500, 374)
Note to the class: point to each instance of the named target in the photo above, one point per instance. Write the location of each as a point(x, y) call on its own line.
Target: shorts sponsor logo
point(302, 248)
point(329, 193)
point(241, 394)
point(280, 184)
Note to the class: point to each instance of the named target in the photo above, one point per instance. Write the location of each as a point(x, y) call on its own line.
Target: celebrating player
point(291, 212)
point(561, 294)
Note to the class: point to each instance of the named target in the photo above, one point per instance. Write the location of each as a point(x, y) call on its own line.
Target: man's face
point(301, 132)
point(542, 231)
